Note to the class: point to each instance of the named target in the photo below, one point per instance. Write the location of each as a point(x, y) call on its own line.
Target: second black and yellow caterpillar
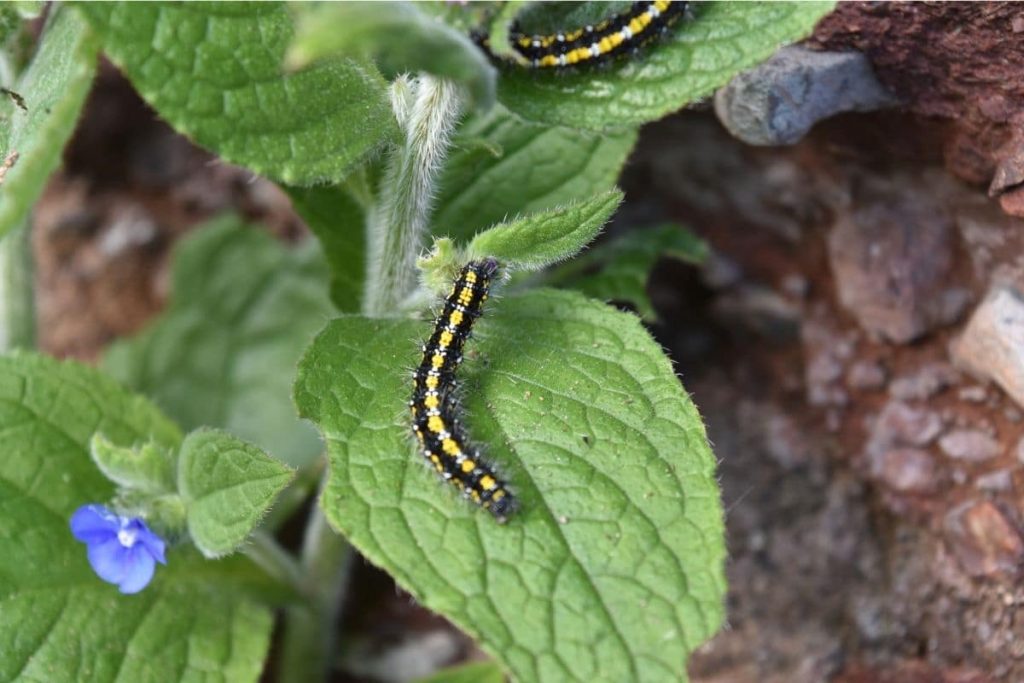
point(594, 44)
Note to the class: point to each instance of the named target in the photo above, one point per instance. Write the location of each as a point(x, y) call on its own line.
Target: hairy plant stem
point(17, 301)
point(397, 227)
point(427, 109)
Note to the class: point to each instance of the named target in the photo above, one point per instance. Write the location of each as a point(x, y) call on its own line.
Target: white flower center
point(127, 537)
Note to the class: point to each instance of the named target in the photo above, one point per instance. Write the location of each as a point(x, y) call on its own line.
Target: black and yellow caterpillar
point(434, 404)
point(593, 44)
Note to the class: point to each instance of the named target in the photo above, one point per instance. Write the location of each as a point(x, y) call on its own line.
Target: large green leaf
point(223, 354)
point(502, 166)
point(613, 568)
point(62, 623)
point(33, 130)
point(696, 57)
point(337, 220)
point(401, 39)
point(214, 71)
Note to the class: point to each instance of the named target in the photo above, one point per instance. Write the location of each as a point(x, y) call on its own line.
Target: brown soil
point(842, 567)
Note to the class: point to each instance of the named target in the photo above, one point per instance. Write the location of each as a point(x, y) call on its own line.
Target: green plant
point(613, 568)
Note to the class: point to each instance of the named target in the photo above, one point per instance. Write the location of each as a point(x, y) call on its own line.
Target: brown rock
point(983, 540)
point(891, 256)
point(992, 345)
point(969, 444)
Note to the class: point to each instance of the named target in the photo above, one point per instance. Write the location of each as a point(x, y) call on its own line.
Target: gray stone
point(777, 102)
point(992, 345)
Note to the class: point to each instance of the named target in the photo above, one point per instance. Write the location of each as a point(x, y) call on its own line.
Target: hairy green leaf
point(223, 354)
point(38, 116)
point(338, 222)
point(148, 467)
point(541, 239)
point(213, 70)
point(227, 485)
point(502, 166)
point(697, 56)
point(400, 39)
point(613, 568)
point(60, 622)
point(617, 270)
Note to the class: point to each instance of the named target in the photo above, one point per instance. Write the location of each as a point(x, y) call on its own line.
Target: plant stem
point(17, 303)
point(310, 628)
point(397, 224)
point(278, 563)
point(397, 227)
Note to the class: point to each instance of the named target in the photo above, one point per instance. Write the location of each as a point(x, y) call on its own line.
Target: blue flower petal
point(139, 566)
point(94, 524)
point(153, 543)
point(109, 560)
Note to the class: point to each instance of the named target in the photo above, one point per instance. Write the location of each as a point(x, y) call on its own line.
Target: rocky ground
point(856, 342)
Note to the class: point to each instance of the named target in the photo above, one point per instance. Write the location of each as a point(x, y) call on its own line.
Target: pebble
point(866, 375)
point(900, 424)
point(999, 480)
point(972, 445)
point(925, 383)
point(906, 470)
point(983, 540)
point(992, 345)
point(973, 394)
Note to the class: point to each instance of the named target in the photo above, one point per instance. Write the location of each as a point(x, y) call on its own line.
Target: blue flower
point(122, 550)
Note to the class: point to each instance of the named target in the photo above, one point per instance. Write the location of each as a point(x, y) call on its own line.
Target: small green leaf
point(474, 672)
point(617, 270)
point(213, 70)
point(196, 621)
point(227, 485)
point(338, 222)
point(547, 237)
point(613, 568)
point(223, 354)
point(148, 468)
point(39, 117)
point(401, 40)
point(697, 56)
point(502, 166)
